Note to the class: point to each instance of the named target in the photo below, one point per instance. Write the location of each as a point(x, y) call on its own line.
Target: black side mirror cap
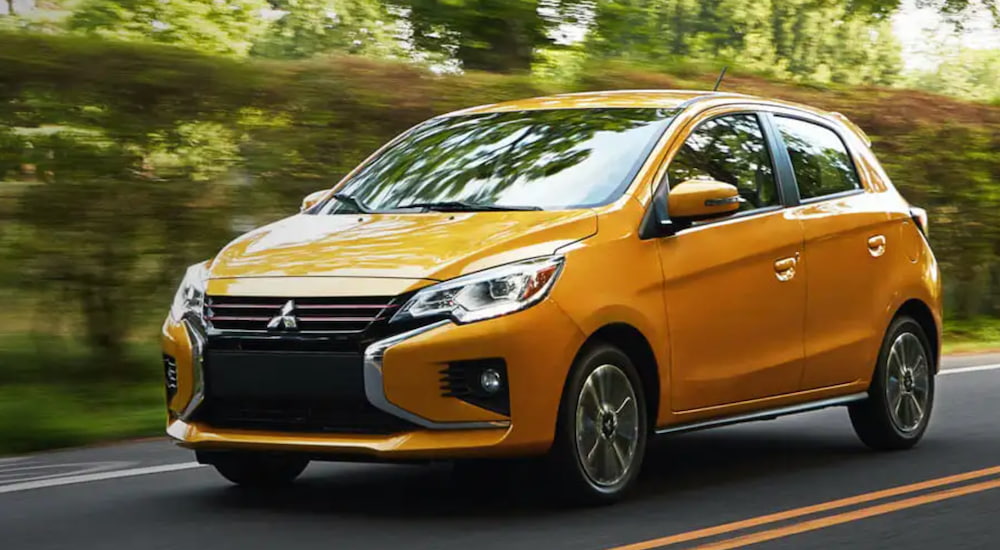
point(656, 222)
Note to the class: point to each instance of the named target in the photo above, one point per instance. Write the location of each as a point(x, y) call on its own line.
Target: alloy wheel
point(907, 382)
point(607, 426)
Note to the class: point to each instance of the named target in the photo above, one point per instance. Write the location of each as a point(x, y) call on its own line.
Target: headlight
point(487, 294)
point(190, 297)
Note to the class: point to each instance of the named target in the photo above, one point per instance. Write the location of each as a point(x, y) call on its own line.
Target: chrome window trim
point(733, 218)
point(834, 196)
point(739, 216)
point(375, 389)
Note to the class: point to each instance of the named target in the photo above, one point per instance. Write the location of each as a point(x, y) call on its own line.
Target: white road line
point(87, 478)
point(23, 473)
point(960, 370)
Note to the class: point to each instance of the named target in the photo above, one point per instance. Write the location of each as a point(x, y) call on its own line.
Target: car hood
point(434, 245)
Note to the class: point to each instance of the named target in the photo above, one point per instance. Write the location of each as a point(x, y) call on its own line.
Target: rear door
point(847, 235)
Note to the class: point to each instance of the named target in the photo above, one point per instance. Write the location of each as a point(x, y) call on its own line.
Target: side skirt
point(765, 414)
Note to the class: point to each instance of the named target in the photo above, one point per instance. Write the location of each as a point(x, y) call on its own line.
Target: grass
point(50, 398)
point(35, 416)
point(53, 393)
point(971, 335)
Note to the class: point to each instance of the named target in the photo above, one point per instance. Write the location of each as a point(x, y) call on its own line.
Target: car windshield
point(548, 159)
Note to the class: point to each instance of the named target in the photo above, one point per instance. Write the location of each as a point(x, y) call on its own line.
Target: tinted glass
point(819, 158)
point(555, 159)
point(730, 149)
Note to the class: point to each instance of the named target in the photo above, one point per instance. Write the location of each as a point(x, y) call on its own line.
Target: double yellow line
point(829, 520)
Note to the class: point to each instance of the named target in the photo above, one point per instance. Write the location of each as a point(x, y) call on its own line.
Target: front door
point(735, 287)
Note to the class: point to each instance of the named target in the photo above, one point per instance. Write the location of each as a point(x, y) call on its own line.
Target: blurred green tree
point(229, 27)
point(488, 35)
point(817, 40)
point(968, 73)
point(304, 28)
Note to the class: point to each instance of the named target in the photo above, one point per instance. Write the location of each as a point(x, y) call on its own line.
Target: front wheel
point(901, 395)
point(602, 430)
point(249, 469)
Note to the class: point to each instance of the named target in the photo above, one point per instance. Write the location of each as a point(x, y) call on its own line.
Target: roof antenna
point(718, 81)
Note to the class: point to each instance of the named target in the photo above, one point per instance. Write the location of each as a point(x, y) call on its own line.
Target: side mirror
point(693, 200)
point(689, 201)
point(312, 199)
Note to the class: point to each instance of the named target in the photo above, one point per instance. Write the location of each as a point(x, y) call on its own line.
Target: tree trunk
point(105, 331)
point(502, 44)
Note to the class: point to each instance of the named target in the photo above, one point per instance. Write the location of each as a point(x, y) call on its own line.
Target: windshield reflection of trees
point(511, 158)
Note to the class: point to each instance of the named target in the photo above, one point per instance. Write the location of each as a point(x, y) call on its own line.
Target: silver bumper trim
point(375, 389)
point(197, 339)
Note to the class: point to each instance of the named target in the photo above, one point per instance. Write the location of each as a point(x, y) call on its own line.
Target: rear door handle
point(876, 245)
point(784, 268)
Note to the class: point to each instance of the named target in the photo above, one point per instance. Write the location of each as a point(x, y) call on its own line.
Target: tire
point(610, 428)
point(249, 469)
point(904, 377)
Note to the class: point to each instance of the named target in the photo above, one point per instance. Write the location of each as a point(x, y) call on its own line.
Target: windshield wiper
point(355, 202)
point(463, 206)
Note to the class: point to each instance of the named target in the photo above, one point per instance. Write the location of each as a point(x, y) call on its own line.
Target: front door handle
point(784, 268)
point(876, 245)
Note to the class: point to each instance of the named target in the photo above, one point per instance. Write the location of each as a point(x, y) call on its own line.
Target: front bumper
point(402, 377)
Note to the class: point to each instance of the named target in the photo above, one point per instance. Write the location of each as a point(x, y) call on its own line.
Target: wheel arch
point(635, 345)
point(922, 314)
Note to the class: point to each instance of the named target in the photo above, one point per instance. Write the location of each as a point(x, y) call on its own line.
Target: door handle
point(876, 245)
point(784, 269)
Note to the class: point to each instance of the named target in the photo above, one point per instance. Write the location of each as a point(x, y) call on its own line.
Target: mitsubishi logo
point(284, 320)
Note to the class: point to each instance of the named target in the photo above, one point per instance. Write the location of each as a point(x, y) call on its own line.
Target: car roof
point(653, 99)
point(657, 99)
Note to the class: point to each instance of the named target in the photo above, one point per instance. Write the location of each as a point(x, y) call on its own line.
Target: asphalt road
point(149, 495)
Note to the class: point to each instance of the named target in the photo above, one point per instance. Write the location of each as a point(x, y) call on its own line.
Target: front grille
point(299, 315)
point(290, 391)
point(307, 378)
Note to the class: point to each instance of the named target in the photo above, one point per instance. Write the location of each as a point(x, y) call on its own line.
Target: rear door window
point(819, 158)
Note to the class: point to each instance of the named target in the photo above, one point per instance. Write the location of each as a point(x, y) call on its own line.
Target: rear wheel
point(602, 429)
point(901, 395)
point(250, 469)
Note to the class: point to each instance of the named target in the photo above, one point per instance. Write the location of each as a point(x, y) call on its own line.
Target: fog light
point(490, 380)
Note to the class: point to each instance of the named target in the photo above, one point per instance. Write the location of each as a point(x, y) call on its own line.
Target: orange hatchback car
point(564, 278)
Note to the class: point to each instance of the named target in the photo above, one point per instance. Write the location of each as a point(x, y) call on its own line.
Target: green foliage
point(49, 396)
point(955, 10)
point(45, 416)
point(820, 41)
point(966, 73)
point(219, 26)
point(308, 27)
point(954, 169)
point(979, 334)
point(489, 35)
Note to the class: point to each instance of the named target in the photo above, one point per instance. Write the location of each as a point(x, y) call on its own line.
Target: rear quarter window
point(820, 159)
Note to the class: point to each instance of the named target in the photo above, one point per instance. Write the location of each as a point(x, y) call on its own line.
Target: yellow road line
point(807, 510)
point(837, 519)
